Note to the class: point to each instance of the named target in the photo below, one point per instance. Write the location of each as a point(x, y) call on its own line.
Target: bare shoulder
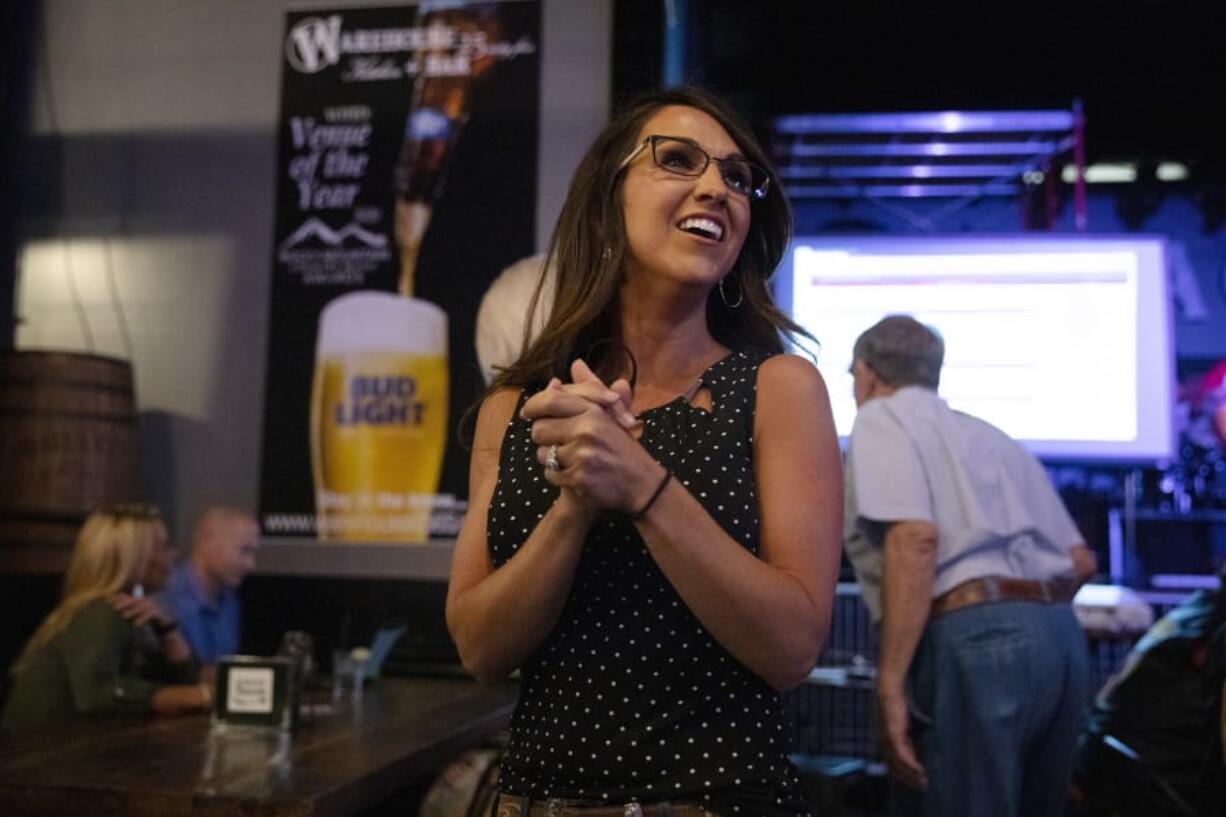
point(789, 377)
point(791, 394)
point(493, 416)
point(492, 419)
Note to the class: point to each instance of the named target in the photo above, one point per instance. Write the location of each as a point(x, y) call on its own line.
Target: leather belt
point(510, 805)
point(990, 589)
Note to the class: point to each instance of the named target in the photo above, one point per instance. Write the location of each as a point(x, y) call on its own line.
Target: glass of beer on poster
point(378, 417)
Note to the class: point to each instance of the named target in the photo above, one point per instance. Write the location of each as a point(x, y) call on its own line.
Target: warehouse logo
point(314, 44)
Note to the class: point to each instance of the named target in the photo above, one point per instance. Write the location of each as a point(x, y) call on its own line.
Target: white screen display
point(1063, 343)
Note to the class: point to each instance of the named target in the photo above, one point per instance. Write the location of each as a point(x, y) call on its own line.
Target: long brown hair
point(589, 247)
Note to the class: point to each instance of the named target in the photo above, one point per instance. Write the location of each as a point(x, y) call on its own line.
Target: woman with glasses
point(655, 491)
point(106, 648)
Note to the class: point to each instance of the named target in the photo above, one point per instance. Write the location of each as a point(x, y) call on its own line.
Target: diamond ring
point(551, 459)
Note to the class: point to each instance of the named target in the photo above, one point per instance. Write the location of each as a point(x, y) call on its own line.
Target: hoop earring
point(740, 294)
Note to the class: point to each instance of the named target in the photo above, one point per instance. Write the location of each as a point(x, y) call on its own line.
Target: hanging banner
point(406, 180)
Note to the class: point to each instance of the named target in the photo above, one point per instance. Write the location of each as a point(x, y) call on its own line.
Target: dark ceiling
point(1150, 73)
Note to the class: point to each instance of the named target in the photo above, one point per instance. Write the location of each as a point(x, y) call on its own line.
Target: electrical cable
point(53, 126)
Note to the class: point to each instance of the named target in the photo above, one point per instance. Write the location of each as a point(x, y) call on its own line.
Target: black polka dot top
point(629, 697)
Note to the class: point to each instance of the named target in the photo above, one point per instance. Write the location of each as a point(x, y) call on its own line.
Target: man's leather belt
point(510, 805)
point(988, 589)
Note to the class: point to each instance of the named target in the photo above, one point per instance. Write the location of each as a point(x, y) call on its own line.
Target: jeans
point(998, 696)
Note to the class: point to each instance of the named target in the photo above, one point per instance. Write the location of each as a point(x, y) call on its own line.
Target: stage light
point(1172, 172)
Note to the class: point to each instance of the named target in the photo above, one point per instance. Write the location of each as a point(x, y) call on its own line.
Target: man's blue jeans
point(998, 697)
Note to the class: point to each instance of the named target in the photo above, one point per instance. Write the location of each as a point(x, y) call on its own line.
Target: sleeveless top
point(629, 697)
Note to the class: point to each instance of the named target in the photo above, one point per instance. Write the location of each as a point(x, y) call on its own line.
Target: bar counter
point(337, 762)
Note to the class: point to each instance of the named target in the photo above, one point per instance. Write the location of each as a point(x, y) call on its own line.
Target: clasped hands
point(592, 434)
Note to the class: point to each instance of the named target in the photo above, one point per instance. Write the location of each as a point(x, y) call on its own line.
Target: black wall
point(346, 613)
point(18, 29)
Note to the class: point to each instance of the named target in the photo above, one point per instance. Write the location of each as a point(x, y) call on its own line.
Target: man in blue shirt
point(202, 593)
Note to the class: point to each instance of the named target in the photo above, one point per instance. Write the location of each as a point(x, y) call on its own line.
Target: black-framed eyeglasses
point(685, 158)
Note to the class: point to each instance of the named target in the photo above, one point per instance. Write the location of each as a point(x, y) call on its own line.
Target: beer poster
point(406, 181)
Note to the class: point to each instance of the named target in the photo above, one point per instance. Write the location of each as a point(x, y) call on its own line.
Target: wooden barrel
point(67, 445)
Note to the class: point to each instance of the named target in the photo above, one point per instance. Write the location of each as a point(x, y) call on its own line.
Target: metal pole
point(1081, 219)
point(1051, 190)
point(676, 12)
point(1132, 487)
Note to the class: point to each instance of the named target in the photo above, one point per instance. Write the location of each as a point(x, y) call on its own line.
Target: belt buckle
point(553, 807)
point(509, 809)
point(633, 810)
point(993, 590)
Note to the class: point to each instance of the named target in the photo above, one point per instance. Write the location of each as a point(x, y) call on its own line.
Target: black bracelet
point(163, 629)
point(641, 512)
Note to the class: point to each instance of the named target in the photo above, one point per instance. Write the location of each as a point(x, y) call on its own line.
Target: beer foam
point(368, 321)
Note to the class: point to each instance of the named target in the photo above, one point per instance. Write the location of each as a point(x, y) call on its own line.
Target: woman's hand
point(499, 617)
point(615, 398)
point(141, 611)
point(180, 699)
point(593, 429)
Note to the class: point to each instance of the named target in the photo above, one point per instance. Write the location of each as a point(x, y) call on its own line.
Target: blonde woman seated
point(106, 648)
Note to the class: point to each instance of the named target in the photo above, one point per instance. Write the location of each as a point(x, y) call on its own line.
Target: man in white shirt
point(967, 559)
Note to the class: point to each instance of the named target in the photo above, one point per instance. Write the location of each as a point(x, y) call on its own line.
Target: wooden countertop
point(335, 763)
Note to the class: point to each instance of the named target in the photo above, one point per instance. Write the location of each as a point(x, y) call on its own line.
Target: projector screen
point(1063, 343)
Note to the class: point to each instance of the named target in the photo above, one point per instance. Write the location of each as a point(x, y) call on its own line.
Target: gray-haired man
point(967, 559)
